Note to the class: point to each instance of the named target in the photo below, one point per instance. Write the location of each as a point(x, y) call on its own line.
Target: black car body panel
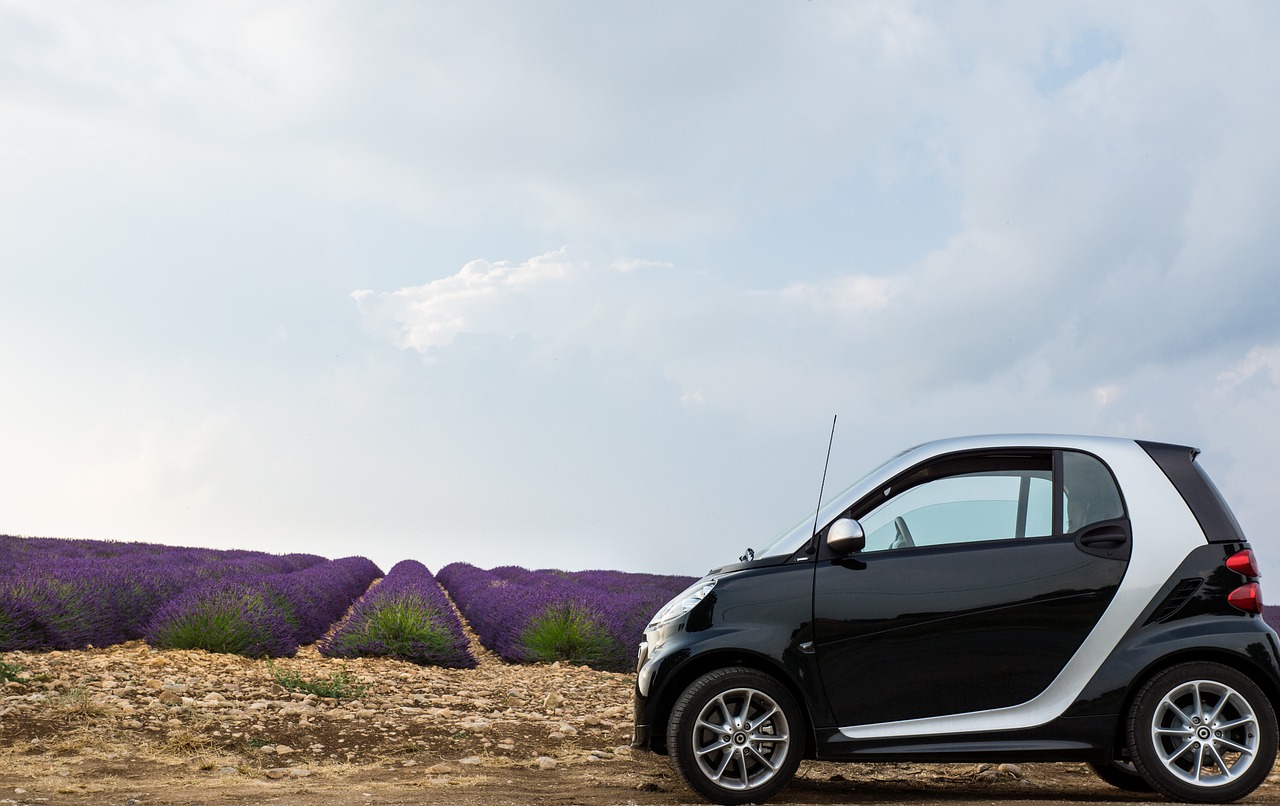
point(996, 620)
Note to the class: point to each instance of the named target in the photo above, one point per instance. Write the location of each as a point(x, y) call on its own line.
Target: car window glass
point(965, 508)
point(1089, 493)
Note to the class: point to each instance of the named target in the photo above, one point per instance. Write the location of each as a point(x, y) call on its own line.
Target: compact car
point(1001, 598)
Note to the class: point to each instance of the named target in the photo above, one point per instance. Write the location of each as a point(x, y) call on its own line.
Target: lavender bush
point(266, 616)
point(405, 616)
point(242, 618)
point(591, 617)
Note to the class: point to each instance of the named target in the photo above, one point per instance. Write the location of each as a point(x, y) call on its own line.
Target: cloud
point(1262, 362)
point(482, 298)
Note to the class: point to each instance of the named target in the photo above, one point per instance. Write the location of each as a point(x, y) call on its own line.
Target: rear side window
point(1089, 493)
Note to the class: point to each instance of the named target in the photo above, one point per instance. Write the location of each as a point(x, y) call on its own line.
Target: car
point(1000, 598)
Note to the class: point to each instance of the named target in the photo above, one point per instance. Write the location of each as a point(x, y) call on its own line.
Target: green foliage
point(216, 625)
point(341, 685)
point(405, 628)
point(229, 617)
point(567, 632)
point(9, 672)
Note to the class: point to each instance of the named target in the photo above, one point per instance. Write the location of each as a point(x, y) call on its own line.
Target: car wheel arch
point(1233, 660)
point(693, 668)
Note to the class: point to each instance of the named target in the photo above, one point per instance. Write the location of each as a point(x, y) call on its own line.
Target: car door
point(982, 575)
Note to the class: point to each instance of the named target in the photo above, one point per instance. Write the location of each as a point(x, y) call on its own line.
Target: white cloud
point(482, 298)
point(850, 294)
point(1261, 360)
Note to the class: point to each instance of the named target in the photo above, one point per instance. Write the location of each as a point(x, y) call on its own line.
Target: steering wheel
point(903, 539)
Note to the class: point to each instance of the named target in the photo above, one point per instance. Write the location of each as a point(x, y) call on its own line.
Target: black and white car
point(1008, 598)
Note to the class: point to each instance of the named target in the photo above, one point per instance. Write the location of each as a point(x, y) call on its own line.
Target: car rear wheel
point(1202, 732)
point(736, 736)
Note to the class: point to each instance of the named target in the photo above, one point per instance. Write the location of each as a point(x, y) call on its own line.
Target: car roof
point(1112, 450)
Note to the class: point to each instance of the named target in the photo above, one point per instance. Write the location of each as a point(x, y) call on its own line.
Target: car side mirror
point(845, 537)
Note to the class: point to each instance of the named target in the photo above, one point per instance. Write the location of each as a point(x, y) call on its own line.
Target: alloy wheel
point(1205, 733)
point(741, 739)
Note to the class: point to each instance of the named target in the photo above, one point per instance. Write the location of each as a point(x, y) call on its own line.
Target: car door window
point(1089, 493)
point(964, 508)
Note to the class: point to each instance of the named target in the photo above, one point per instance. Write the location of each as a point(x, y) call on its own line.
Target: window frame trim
point(893, 488)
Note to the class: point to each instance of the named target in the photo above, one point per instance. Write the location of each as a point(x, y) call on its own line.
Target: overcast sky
point(582, 284)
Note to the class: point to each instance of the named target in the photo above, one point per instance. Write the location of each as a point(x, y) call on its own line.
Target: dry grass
point(189, 742)
point(77, 706)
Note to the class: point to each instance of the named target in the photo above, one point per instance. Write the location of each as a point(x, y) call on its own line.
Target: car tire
point(735, 736)
point(1202, 732)
point(1122, 775)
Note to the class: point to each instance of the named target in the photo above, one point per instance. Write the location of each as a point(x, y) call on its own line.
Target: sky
point(582, 285)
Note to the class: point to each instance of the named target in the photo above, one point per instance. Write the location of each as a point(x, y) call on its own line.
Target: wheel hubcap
point(1205, 733)
point(741, 739)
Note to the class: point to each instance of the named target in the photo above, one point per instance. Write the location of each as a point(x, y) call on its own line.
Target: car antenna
point(823, 485)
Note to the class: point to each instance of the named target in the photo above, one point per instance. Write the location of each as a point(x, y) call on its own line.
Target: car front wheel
point(1202, 732)
point(736, 736)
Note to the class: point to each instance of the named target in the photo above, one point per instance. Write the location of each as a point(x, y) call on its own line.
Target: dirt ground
point(132, 725)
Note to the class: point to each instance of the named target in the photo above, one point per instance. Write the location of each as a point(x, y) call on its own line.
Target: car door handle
point(1109, 541)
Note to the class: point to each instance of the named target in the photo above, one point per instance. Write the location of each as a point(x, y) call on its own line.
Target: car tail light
point(1247, 597)
point(1243, 562)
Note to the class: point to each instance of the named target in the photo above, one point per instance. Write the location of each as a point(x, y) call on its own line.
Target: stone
point(276, 773)
point(299, 772)
point(546, 763)
point(168, 697)
point(443, 768)
point(552, 702)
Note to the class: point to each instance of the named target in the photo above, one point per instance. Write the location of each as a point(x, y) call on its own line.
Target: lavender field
point(591, 617)
point(72, 594)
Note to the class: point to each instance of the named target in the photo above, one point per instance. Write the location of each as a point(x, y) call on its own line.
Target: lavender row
point(405, 616)
point(68, 594)
point(590, 617)
point(263, 616)
point(17, 552)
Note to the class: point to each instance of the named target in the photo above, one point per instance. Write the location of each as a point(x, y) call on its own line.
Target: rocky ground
point(132, 725)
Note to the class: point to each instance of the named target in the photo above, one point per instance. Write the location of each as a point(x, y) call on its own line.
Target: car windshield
point(793, 538)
